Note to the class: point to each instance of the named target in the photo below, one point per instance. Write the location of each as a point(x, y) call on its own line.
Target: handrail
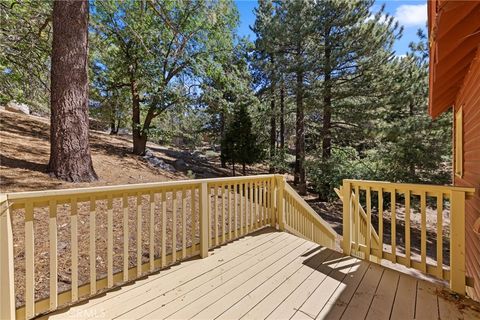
point(363, 220)
point(300, 219)
point(352, 218)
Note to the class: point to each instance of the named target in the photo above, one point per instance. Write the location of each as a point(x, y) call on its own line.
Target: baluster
point(440, 235)
point(174, 226)
point(194, 221)
point(393, 224)
point(184, 224)
point(407, 228)
point(235, 210)
point(151, 254)
point(92, 253)
point(357, 218)
point(222, 188)
point(229, 188)
point(74, 240)
point(164, 228)
point(215, 218)
point(369, 223)
point(252, 212)
point(380, 223)
point(139, 234)
point(423, 237)
point(125, 237)
point(52, 231)
point(241, 209)
point(257, 202)
point(29, 262)
point(109, 242)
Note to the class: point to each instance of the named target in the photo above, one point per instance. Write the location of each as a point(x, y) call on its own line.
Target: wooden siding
point(276, 275)
point(469, 100)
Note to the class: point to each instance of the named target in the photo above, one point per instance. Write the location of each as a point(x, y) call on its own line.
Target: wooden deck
point(274, 275)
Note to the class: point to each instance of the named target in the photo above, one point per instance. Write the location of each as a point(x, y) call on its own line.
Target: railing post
point(347, 211)
point(457, 241)
point(7, 298)
point(203, 216)
point(280, 182)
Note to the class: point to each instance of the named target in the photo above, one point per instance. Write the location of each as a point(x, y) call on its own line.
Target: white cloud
point(412, 15)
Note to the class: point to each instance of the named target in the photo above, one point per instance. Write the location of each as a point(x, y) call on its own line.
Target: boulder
point(180, 165)
point(16, 107)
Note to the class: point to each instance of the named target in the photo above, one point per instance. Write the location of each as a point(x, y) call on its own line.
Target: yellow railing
point(400, 197)
point(130, 231)
point(300, 219)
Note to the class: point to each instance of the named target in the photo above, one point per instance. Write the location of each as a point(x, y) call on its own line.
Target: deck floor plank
point(361, 300)
point(427, 301)
point(275, 275)
point(382, 303)
point(405, 298)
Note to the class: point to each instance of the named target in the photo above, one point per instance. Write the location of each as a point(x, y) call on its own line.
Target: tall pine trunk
point(327, 106)
point(273, 124)
point(223, 160)
point(70, 157)
point(299, 174)
point(282, 116)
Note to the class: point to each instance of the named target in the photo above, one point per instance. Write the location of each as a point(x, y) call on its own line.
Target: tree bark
point(244, 171)
point(282, 116)
point(327, 106)
point(139, 138)
point(70, 157)
point(223, 162)
point(299, 173)
point(273, 124)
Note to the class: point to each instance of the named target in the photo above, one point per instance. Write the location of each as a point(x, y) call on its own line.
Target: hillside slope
point(25, 149)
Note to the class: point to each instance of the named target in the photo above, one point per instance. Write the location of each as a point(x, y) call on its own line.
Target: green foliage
point(240, 143)
point(25, 45)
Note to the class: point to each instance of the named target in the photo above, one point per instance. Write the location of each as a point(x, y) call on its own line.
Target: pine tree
point(70, 157)
point(240, 143)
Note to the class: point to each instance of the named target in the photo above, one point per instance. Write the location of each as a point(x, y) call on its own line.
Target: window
point(459, 143)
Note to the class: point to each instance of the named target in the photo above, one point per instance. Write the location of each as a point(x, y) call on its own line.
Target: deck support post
point(273, 220)
point(347, 212)
point(203, 216)
point(7, 298)
point(280, 182)
point(457, 241)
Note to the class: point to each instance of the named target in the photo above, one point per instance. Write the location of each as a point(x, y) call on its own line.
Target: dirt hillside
point(25, 149)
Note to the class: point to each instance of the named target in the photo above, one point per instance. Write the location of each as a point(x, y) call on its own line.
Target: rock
point(148, 153)
point(180, 165)
point(14, 106)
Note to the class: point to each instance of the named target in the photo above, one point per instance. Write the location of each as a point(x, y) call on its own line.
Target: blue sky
point(411, 14)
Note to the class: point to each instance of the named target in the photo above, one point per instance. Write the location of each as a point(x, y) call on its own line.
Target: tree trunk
point(299, 174)
point(282, 116)
point(233, 168)
point(244, 171)
point(223, 161)
point(327, 107)
point(113, 127)
point(139, 139)
point(273, 124)
point(70, 157)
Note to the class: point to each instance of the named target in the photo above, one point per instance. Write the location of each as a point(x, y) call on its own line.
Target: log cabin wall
point(468, 100)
